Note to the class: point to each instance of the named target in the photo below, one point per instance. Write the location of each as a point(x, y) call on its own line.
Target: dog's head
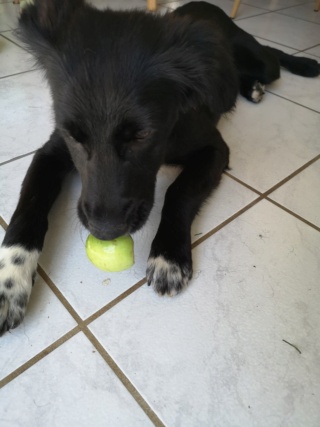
point(119, 82)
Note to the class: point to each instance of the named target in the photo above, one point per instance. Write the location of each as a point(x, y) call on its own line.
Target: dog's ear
point(44, 24)
point(199, 62)
point(50, 15)
point(46, 19)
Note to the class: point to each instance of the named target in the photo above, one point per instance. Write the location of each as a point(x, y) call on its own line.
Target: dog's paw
point(17, 274)
point(168, 277)
point(258, 90)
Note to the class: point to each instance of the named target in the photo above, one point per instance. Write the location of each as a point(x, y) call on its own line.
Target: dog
point(131, 91)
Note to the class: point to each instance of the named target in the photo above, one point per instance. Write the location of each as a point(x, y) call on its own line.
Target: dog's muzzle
point(110, 225)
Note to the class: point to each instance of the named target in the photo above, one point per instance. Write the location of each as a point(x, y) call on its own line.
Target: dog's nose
point(104, 224)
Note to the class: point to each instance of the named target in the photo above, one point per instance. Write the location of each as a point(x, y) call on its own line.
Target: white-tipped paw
point(258, 90)
point(168, 277)
point(17, 274)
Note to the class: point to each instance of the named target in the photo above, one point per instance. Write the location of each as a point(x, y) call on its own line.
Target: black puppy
point(131, 91)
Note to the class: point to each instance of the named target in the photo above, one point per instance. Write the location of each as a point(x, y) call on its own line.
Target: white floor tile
point(26, 118)
point(270, 140)
point(314, 51)
point(301, 194)
point(303, 11)
point(46, 321)
point(302, 90)
point(292, 32)
point(273, 4)
point(116, 4)
point(13, 59)
point(64, 258)
point(215, 353)
point(9, 14)
point(244, 10)
point(71, 386)
point(11, 35)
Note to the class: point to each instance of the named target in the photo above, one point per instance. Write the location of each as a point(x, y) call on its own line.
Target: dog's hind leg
point(256, 67)
point(25, 235)
point(170, 263)
point(301, 66)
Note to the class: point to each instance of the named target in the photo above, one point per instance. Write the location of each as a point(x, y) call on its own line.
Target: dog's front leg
point(24, 237)
point(170, 264)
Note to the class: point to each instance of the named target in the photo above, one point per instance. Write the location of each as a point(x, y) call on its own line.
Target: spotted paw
point(257, 92)
point(17, 275)
point(168, 277)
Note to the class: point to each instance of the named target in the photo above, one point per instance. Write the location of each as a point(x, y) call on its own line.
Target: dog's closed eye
point(130, 133)
point(142, 134)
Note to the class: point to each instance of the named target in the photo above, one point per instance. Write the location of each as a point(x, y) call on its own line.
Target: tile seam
point(17, 158)
point(292, 101)
point(278, 184)
point(281, 12)
point(123, 378)
point(291, 176)
point(39, 356)
point(290, 212)
point(18, 74)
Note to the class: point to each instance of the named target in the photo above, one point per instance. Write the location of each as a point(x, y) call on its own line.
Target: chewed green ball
point(110, 255)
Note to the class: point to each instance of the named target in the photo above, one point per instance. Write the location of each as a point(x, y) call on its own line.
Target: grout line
point(305, 52)
point(311, 47)
point(17, 158)
point(292, 175)
point(282, 12)
point(242, 183)
point(123, 378)
point(290, 100)
point(277, 43)
point(60, 296)
point(31, 362)
point(104, 354)
point(262, 13)
point(12, 41)
point(293, 214)
point(18, 74)
point(81, 327)
point(115, 301)
point(280, 183)
point(276, 10)
point(226, 222)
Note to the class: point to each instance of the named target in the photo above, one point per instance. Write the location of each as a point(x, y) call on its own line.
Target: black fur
point(254, 62)
point(132, 91)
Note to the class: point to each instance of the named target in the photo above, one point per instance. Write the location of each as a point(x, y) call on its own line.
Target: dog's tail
point(301, 66)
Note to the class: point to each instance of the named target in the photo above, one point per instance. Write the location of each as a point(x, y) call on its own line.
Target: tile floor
point(102, 349)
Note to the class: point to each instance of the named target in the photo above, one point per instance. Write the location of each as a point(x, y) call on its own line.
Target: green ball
point(110, 255)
